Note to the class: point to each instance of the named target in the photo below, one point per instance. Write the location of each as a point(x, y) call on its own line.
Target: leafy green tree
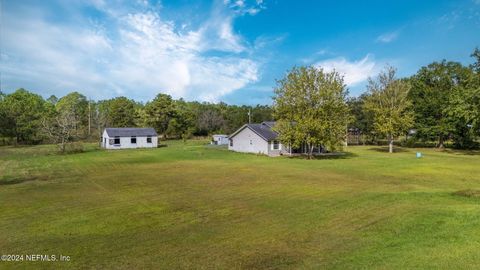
point(75, 104)
point(389, 105)
point(159, 112)
point(5, 120)
point(310, 107)
point(476, 55)
point(210, 120)
point(21, 114)
point(52, 100)
point(182, 122)
point(431, 91)
point(140, 115)
point(60, 127)
point(121, 112)
point(362, 120)
point(235, 116)
point(261, 113)
point(463, 112)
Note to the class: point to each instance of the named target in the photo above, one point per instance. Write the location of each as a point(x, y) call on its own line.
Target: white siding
point(125, 142)
point(220, 139)
point(249, 142)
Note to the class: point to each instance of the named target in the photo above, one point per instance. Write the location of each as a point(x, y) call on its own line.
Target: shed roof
point(128, 132)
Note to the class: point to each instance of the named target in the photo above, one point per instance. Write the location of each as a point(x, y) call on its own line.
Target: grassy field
point(190, 206)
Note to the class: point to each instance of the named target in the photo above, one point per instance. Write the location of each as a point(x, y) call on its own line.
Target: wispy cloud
point(312, 58)
point(354, 72)
point(245, 7)
point(388, 37)
point(138, 54)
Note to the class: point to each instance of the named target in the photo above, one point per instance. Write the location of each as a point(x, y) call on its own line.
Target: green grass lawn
point(190, 206)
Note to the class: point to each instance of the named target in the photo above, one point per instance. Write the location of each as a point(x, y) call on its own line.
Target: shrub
point(74, 147)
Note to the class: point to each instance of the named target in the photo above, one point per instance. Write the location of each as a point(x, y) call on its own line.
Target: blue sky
point(225, 50)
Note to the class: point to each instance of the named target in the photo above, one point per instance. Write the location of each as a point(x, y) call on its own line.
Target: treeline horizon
point(22, 112)
point(444, 98)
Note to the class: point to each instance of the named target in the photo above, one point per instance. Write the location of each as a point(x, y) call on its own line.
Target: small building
point(220, 139)
point(262, 139)
point(124, 138)
point(256, 138)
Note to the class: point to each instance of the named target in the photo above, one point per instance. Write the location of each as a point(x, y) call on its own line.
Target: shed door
point(251, 146)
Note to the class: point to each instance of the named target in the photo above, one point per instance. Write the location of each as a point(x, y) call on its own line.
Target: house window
point(133, 140)
point(251, 142)
point(231, 142)
point(116, 140)
point(149, 139)
point(275, 145)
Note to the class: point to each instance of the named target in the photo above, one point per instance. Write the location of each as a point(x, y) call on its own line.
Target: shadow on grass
point(338, 155)
point(8, 180)
point(469, 193)
point(462, 152)
point(383, 149)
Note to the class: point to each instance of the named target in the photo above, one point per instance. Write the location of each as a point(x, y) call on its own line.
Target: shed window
point(133, 140)
point(251, 142)
point(116, 140)
point(149, 139)
point(275, 145)
point(231, 142)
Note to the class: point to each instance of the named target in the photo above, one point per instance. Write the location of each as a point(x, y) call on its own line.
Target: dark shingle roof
point(127, 132)
point(269, 123)
point(263, 130)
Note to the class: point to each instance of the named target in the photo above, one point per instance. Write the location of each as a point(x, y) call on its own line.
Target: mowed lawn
point(190, 206)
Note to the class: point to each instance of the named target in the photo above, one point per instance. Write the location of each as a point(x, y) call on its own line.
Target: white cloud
point(354, 72)
point(140, 57)
point(388, 37)
point(157, 56)
point(243, 7)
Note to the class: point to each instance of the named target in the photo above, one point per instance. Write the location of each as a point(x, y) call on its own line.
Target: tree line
point(27, 118)
point(440, 103)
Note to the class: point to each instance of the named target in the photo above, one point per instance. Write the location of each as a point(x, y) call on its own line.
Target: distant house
point(262, 139)
point(256, 138)
point(220, 139)
point(123, 138)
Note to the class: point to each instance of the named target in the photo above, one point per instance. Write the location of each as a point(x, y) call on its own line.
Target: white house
point(262, 139)
point(123, 138)
point(256, 138)
point(220, 139)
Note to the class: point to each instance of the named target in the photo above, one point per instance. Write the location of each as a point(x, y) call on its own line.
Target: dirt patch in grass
point(470, 193)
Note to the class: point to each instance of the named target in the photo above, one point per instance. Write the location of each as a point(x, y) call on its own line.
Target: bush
point(74, 147)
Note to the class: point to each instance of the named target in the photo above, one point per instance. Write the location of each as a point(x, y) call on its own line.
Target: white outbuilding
point(220, 139)
point(124, 138)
